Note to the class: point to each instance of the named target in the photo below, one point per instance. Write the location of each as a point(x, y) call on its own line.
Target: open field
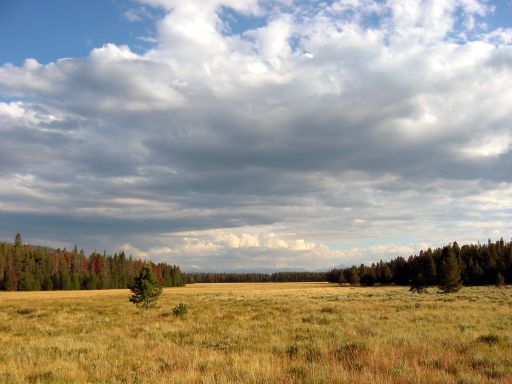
point(259, 333)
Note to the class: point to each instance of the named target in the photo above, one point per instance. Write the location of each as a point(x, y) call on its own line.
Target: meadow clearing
point(259, 333)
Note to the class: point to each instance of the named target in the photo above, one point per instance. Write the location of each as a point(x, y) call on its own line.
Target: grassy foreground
point(258, 333)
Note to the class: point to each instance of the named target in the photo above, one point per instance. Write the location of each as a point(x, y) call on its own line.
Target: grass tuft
point(490, 339)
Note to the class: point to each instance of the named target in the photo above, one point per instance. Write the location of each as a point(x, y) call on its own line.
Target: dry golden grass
point(258, 333)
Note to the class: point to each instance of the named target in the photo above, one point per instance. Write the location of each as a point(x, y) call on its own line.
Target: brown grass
point(258, 333)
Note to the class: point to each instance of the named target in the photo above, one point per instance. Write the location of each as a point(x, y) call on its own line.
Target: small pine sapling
point(146, 288)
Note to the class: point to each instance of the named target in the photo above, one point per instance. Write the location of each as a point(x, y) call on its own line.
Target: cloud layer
point(272, 135)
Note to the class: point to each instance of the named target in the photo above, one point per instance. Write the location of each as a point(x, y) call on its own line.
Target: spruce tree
point(450, 274)
point(419, 283)
point(386, 274)
point(429, 267)
point(17, 241)
point(146, 288)
point(353, 276)
point(500, 280)
point(341, 277)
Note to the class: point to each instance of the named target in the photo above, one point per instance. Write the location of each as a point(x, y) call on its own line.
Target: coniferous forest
point(28, 267)
point(276, 277)
point(33, 268)
point(450, 266)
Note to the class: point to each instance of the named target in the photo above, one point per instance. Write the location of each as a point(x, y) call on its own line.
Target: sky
point(246, 135)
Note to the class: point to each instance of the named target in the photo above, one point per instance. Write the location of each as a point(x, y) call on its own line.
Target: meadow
point(259, 333)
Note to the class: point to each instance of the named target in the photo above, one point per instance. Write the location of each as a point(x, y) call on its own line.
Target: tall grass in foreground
point(258, 333)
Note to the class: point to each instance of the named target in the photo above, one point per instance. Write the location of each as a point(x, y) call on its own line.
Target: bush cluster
point(180, 310)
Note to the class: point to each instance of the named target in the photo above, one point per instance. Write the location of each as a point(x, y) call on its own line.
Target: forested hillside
point(32, 268)
point(476, 264)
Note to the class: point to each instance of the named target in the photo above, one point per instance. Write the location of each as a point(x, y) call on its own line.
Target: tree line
point(27, 267)
point(449, 266)
point(32, 268)
point(215, 277)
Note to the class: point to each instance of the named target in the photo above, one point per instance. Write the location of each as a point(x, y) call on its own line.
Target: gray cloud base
point(314, 126)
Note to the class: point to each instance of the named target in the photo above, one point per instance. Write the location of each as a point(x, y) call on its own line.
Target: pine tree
point(353, 278)
point(419, 284)
point(386, 274)
point(65, 280)
point(47, 284)
point(75, 281)
point(146, 288)
point(17, 241)
point(429, 267)
point(500, 281)
point(450, 274)
point(341, 278)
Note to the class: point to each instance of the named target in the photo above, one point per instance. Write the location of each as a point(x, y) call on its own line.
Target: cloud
point(132, 15)
point(138, 14)
point(11, 111)
point(318, 135)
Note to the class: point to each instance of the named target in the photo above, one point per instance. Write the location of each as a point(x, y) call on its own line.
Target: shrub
point(180, 310)
point(328, 310)
point(489, 339)
point(25, 311)
point(418, 288)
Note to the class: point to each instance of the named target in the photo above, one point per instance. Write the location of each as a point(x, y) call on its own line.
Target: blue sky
point(255, 135)
point(502, 16)
point(52, 29)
